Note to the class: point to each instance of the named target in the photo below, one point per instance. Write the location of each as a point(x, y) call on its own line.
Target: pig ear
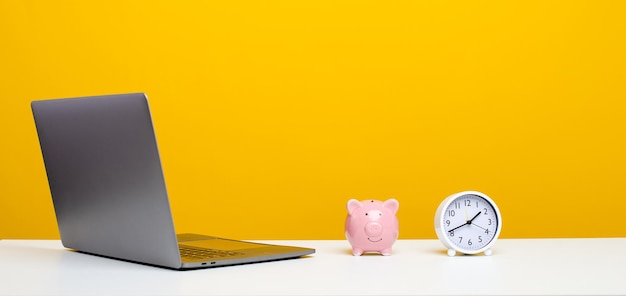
point(392, 204)
point(353, 204)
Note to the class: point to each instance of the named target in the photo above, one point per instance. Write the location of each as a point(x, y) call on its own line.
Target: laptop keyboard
point(198, 253)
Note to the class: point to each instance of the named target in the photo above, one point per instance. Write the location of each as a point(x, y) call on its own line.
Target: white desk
point(517, 266)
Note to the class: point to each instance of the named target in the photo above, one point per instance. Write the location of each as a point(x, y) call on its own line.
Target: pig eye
point(380, 214)
point(366, 214)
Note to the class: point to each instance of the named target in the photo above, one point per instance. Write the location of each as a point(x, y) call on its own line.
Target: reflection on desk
point(416, 267)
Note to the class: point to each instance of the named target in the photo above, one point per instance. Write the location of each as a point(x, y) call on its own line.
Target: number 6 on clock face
point(468, 222)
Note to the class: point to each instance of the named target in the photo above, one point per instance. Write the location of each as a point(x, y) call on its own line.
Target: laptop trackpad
point(221, 244)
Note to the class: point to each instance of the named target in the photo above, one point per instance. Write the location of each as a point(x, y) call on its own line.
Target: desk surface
point(517, 266)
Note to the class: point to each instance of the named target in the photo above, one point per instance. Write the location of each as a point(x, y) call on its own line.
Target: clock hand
point(455, 228)
point(480, 227)
point(470, 220)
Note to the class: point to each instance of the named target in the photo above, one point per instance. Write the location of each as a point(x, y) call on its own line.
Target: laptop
point(108, 188)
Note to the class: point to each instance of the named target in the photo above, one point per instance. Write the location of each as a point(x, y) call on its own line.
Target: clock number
point(457, 205)
point(460, 239)
point(451, 233)
point(487, 231)
point(469, 242)
point(485, 211)
point(480, 239)
point(468, 203)
point(451, 213)
point(489, 222)
point(447, 222)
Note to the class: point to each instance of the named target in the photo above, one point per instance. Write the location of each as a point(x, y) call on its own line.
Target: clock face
point(469, 222)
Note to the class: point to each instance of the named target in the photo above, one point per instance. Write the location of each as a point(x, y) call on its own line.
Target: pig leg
point(357, 251)
point(386, 252)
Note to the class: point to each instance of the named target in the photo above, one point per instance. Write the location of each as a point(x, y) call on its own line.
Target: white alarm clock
point(468, 222)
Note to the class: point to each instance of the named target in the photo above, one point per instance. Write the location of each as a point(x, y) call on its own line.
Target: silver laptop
point(108, 189)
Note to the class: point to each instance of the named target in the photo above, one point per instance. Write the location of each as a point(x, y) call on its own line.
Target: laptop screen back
point(105, 177)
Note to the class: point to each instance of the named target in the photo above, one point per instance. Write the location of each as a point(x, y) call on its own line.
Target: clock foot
point(451, 252)
point(488, 252)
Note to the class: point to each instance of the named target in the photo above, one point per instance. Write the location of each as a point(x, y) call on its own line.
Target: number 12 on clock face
point(468, 222)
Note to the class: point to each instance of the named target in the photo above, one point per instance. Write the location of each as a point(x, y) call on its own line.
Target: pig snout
point(373, 229)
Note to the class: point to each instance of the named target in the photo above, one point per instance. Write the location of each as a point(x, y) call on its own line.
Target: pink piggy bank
point(372, 225)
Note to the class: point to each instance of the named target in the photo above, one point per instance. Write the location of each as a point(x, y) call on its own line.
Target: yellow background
point(270, 115)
